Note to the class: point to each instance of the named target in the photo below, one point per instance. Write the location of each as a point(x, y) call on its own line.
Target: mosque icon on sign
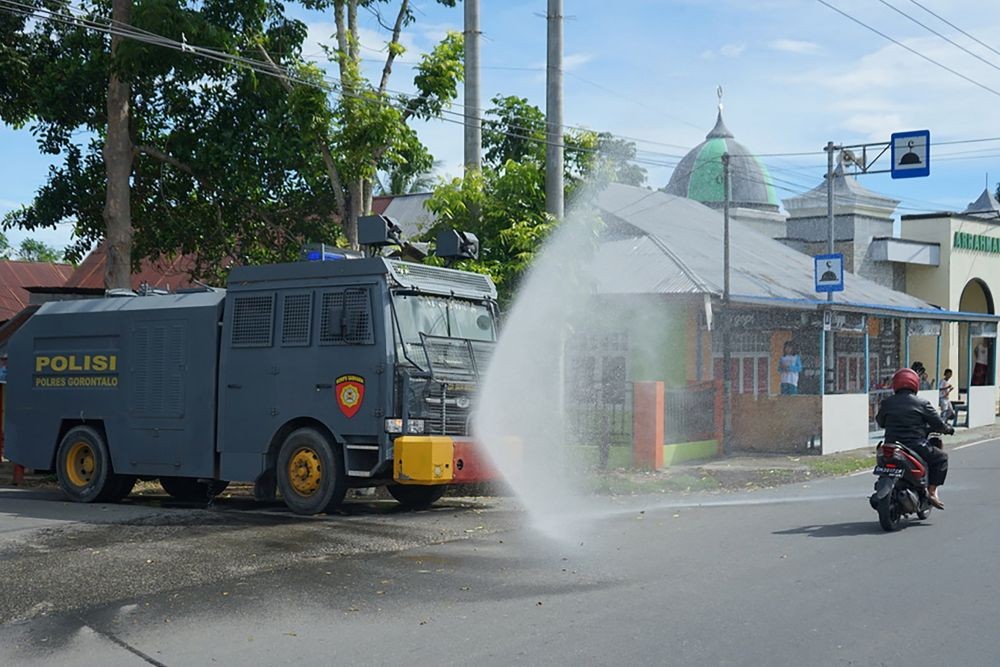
point(909, 157)
point(829, 276)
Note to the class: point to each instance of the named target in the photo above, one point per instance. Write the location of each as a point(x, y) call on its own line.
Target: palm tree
point(400, 182)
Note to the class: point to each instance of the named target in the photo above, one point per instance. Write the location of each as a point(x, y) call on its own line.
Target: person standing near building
point(945, 387)
point(789, 367)
point(982, 356)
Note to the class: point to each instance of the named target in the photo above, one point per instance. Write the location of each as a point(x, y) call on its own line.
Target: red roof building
point(163, 273)
point(15, 277)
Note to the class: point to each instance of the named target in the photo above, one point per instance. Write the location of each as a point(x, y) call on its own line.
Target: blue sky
point(795, 74)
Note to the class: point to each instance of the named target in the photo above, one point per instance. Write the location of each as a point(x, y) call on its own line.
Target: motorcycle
point(901, 487)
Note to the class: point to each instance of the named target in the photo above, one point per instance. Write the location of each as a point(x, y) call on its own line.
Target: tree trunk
point(355, 202)
point(118, 166)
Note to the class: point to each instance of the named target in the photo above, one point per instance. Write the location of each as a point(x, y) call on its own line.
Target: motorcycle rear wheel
point(888, 514)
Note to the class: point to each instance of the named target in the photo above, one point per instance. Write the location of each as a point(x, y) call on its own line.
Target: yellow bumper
point(423, 459)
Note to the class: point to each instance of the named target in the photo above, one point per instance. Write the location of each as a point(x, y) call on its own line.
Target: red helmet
point(905, 378)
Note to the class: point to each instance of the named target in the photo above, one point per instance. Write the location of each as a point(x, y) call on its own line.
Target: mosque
point(924, 294)
point(950, 259)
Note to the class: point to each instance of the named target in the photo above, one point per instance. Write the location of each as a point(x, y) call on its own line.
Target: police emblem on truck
point(350, 390)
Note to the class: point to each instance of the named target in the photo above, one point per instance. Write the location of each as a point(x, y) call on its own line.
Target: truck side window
point(253, 320)
point(346, 317)
point(296, 319)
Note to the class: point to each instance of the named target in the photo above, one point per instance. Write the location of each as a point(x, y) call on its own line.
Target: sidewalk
point(742, 470)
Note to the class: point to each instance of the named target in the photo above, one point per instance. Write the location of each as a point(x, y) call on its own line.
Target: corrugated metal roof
point(684, 254)
point(846, 190)
point(164, 273)
point(15, 276)
point(409, 212)
point(986, 206)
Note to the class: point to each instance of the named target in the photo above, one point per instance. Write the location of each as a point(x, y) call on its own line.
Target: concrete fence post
point(647, 425)
point(718, 409)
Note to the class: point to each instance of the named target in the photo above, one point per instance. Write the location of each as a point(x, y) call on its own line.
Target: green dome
point(698, 176)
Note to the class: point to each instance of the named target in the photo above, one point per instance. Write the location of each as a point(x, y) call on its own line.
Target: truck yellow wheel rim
point(80, 464)
point(305, 471)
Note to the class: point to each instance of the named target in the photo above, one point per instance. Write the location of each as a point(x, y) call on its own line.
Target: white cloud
point(794, 46)
point(725, 51)
point(574, 60)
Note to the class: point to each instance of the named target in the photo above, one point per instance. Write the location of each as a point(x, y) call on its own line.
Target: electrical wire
point(908, 48)
point(952, 25)
point(938, 34)
point(328, 84)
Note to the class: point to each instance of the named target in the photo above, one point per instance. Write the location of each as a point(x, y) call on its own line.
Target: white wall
point(930, 395)
point(845, 422)
point(982, 405)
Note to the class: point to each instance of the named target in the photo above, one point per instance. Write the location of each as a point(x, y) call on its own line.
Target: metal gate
point(598, 400)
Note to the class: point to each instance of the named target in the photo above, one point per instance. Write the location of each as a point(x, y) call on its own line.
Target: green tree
point(402, 180)
point(216, 162)
point(365, 128)
point(224, 161)
point(504, 204)
point(33, 250)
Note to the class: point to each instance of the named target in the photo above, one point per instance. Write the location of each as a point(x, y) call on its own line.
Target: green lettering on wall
point(980, 242)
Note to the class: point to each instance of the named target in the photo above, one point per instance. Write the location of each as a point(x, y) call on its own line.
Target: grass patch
point(839, 464)
point(622, 483)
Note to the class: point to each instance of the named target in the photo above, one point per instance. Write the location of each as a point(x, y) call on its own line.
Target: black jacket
point(907, 418)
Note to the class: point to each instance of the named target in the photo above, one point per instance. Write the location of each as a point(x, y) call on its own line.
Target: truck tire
point(83, 466)
point(310, 473)
point(191, 489)
point(416, 497)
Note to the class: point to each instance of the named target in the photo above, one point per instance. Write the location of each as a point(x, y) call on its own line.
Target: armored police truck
point(304, 378)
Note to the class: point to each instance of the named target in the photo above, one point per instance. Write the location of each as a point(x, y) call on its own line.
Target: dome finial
point(720, 131)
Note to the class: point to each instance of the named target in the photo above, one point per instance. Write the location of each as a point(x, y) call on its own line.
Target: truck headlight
point(393, 425)
point(415, 426)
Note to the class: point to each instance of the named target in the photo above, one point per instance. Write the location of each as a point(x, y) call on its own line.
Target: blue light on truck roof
point(323, 256)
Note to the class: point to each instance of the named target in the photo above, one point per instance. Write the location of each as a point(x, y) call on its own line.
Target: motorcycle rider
point(907, 419)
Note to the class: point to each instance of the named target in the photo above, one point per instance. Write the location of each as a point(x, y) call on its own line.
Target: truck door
point(247, 378)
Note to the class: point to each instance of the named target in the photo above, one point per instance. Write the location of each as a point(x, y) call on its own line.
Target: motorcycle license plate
point(888, 472)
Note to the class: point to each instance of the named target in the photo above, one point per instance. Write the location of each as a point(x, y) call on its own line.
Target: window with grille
point(253, 320)
point(296, 319)
point(346, 318)
point(749, 373)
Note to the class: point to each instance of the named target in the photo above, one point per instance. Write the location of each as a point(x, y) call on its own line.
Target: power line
point(16, 7)
point(910, 49)
point(935, 32)
point(949, 23)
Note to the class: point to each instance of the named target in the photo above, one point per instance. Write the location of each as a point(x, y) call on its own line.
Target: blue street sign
point(829, 272)
point(911, 154)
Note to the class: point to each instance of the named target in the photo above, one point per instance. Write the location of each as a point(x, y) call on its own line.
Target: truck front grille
point(447, 409)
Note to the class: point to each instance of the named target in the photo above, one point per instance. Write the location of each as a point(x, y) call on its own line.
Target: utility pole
point(727, 372)
point(829, 376)
point(553, 112)
point(830, 148)
point(473, 113)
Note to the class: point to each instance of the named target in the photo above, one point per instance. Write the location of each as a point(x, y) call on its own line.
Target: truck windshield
point(439, 316)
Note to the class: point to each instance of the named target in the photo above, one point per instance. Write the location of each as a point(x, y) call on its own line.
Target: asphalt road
point(798, 575)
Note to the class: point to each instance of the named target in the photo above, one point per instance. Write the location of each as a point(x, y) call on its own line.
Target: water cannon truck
point(305, 378)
